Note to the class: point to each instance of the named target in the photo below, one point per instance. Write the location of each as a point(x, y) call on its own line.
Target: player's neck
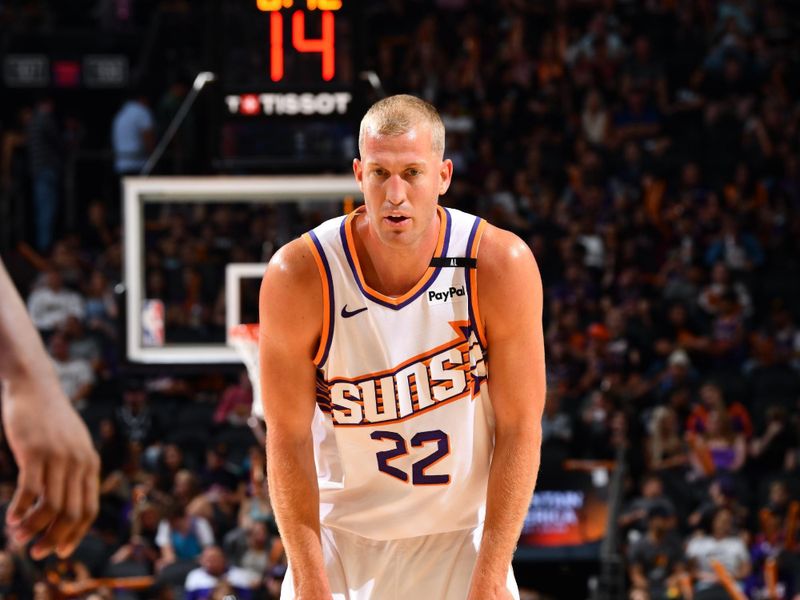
point(394, 270)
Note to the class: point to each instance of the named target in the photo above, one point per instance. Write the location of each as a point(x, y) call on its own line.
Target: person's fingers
point(68, 524)
point(48, 507)
point(29, 488)
point(88, 508)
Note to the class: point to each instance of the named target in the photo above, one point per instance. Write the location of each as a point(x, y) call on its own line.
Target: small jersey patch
point(454, 262)
point(443, 296)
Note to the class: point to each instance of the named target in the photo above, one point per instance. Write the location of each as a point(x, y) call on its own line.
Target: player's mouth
point(397, 221)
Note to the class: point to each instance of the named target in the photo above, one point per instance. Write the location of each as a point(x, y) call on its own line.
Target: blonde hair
point(397, 115)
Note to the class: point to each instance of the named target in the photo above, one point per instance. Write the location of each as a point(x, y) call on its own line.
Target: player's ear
point(445, 175)
point(359, 174)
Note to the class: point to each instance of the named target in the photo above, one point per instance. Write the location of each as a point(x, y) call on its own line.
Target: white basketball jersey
point(404, 429)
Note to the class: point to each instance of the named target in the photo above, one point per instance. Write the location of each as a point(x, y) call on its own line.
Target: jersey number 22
point(418, 474)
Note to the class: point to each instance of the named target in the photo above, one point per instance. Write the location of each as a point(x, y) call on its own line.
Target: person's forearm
point(512, 478)
point(295, 500)
point(21, 347)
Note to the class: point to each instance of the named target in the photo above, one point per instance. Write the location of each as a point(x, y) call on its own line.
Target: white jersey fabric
point(404, 428)
point(430, 567)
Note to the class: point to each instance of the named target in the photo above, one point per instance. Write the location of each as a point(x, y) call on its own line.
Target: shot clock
point(325, 45)
point(287, 71)
point(295, 56)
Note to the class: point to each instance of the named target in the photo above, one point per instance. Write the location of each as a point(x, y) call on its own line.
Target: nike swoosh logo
point(351, 313)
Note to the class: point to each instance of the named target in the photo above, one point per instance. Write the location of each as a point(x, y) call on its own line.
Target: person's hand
point(57, 486)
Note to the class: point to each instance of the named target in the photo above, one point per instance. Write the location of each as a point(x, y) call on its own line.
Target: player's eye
point(413, 172)
point(379, 172)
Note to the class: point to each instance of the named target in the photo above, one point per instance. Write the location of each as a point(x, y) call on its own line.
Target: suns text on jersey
point(442, 375)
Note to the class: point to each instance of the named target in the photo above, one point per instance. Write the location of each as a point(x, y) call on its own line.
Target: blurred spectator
point(82, 346)
point(595, 119)
point(202, 581)
point(50, 304)
point(557, 428)
point(170, 461)
point(711, 296)
point(779, 499)
point(96, 233)
point(596, 425)
point(678, 374)
point(75, 374)
point(722, 545)
point(728, 334)
point(218, 470)
point(256, 555)
point(711, 398)
point(133, 135)
point(728, 449)
point(237, 402)
point(67, 260)
point(182, 537)
point(666, 449)
point(133, 140)
point(45, 153)
point(185, 489)
point(635, 515)
point(219, 505)
point(768, 545)
point(656, 560)
point(112, 448)
point(722, 493)
point(139, 553)
point(135, 418)
point(740, 252)
point(770, 450)
point(256, 506)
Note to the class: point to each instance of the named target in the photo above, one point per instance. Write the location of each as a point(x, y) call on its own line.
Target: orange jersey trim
point(348, 227)
point(326, 300)
point(473, 285)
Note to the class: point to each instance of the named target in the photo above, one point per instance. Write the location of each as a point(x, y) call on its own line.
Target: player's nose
point(395, 190)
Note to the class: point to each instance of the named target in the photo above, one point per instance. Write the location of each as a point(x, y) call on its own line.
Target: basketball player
point(403, 383)
point(57, 487)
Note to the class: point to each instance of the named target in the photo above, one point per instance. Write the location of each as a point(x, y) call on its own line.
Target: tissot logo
point(452, 294)
point(289, 104)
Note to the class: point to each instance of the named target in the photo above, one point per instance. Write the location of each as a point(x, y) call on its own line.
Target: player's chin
point(398, 237)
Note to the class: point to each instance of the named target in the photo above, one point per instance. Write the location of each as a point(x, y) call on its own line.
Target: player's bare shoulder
point(503, 256)
point(291, 292)
point(509, 284)
point(293, 264)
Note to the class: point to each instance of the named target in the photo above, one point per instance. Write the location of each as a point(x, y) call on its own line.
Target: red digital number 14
point(324, 45)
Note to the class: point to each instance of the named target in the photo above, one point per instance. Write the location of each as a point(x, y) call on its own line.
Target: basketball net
point(244, 338)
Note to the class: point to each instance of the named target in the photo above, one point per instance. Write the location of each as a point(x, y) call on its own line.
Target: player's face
point(402, 178)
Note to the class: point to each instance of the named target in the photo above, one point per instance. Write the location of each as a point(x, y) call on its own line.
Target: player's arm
point(291, 306)
point(510, 303)
point(57, 486)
